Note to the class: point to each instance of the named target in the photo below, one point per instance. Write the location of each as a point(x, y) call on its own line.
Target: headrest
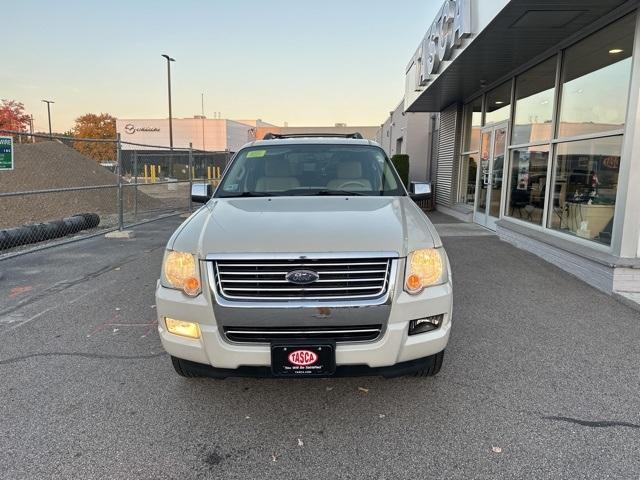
point(350, 170)
point(277, 167)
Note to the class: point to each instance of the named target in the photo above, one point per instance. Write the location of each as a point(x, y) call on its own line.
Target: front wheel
point(435, 363)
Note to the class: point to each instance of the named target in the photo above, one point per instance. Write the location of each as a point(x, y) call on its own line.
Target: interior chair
point(349, 177)
point(277, 176)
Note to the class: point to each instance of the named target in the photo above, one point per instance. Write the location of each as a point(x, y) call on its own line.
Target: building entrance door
point(491, 170)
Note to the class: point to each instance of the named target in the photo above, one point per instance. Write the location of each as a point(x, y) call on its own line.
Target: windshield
point(310, 170)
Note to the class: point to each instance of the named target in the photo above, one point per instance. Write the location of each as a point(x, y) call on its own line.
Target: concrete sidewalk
point(540, 380)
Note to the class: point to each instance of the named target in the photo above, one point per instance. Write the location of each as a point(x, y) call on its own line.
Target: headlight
point(425, 268)
point(180, 271)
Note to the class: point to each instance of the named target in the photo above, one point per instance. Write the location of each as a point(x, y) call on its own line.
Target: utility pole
point(49, 102)
point(202, 99)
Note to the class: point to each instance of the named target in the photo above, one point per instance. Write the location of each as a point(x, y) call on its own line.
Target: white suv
point(310, 259)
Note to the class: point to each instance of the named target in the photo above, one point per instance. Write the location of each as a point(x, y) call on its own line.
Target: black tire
point(434, 366)
point(182, 368)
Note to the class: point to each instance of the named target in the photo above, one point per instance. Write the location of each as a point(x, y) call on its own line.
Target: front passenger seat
point(277, 176)
point(350, 175)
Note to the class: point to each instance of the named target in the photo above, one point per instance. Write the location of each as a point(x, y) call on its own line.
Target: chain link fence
point(66, 186)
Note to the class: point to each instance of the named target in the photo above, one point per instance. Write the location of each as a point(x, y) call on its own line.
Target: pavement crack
point(594, 424)
point(103, 356)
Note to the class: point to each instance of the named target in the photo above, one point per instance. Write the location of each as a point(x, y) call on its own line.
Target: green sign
point(6, 153)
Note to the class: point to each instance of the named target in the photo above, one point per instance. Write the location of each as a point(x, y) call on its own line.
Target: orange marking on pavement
point(14, 292)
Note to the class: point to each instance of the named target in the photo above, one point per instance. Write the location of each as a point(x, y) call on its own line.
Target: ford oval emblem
point(302, 277)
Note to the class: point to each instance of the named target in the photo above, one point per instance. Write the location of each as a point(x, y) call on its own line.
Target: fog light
point(182, 328)
point(424, 325)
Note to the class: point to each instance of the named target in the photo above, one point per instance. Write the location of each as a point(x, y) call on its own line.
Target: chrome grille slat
point(319, 281)
point(305, 289)
point(338, 334)
point(348, 278)
point(330, 272)
point(302, 265)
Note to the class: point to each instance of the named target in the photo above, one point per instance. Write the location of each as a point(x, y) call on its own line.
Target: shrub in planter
point(401, 162)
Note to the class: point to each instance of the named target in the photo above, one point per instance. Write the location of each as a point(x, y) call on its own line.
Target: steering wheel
point(345, 185)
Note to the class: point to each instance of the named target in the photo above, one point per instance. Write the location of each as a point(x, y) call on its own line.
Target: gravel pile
point(52, 165)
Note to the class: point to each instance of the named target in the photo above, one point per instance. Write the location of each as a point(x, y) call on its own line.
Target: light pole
point(169, 60)
point(49, 102)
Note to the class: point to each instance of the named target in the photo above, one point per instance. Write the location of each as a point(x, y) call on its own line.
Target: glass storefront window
point(528, 185)
point(596, 76)
point(468, 181)
point(585, 188)
point(498, 104)
point(472, 123)
point(534, 104)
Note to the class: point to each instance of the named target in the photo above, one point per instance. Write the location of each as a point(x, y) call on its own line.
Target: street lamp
point(49, 102)
point(169, 60)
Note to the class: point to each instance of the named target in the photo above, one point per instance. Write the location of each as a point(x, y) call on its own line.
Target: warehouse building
point(539, 127)
point(211, 134)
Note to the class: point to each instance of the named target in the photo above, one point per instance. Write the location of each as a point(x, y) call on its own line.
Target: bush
point(401, 162)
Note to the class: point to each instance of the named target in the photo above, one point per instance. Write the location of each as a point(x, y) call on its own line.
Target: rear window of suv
point(310, 170)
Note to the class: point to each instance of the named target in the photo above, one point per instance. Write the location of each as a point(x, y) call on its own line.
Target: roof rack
point(277, 136)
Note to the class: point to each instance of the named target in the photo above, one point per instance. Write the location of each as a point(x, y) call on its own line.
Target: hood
point(306, 225)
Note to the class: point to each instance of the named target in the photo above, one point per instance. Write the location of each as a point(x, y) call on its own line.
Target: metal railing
point(64, 186)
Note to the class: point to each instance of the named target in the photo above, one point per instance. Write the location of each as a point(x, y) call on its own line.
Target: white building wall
point(214, 136)
point(408, 133)
point(237, 135)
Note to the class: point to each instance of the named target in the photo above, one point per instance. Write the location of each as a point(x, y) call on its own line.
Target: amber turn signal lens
point(191, 286)
point(414, 283)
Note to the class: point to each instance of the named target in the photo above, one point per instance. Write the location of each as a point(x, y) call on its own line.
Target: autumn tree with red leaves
point(13, 117)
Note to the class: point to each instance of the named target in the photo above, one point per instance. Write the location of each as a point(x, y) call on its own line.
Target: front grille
point(359, 333)
point(352, 278)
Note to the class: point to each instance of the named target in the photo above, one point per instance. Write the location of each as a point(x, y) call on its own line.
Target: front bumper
point(393, 347)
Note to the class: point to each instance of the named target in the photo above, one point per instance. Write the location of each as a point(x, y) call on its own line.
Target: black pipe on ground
point(39, 232)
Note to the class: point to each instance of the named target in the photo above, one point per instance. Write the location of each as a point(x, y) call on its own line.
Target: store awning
point(523, 30)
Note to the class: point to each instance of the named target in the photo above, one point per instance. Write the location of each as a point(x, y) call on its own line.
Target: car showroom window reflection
point(596, 76)
point(535, 91)
point(528, 183)
point(498, 104)
point(585, 188)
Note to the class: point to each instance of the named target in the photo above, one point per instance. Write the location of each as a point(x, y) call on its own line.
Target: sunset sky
point(305, 63)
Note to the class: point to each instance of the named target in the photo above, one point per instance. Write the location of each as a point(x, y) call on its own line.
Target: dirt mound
point(52, 165)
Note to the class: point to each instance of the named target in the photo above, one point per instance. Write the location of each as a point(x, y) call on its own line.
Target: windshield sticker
point(256, 153)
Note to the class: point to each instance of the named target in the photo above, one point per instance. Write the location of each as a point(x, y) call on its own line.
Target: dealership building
point(535, 127)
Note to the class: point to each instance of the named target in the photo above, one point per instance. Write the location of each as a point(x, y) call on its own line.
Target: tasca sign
point(452, 24)
point(6, 153)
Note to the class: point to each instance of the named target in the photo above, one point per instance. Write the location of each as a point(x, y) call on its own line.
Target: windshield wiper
point(338, 193)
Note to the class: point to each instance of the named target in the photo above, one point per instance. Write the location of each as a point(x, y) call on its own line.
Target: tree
point(94, 126)
point(12, 116)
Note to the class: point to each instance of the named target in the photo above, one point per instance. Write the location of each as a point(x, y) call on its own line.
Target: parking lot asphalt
point(540, 380)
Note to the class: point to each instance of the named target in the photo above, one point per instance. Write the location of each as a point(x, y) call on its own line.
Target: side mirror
point(420, 191)
point(201, 192)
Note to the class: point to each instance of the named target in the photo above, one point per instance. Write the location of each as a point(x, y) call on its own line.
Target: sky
point(302, 62)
